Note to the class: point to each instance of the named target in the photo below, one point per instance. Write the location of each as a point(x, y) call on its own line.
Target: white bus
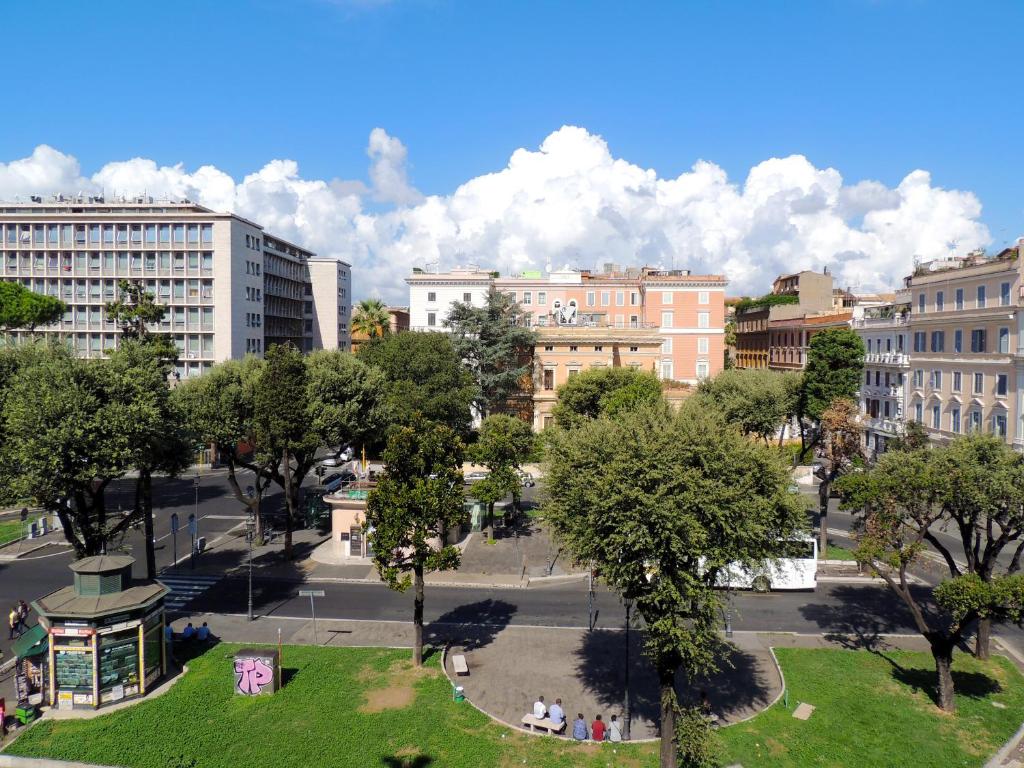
point(795, 568)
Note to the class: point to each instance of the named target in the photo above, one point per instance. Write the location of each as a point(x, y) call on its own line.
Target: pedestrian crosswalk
point(185, 588)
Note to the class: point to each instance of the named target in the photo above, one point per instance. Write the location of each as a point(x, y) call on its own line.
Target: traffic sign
point(174, 522)
point(192, 527)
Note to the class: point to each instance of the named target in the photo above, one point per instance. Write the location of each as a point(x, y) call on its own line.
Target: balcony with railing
point(887, 358)
point(881, 323)
point(890, 426)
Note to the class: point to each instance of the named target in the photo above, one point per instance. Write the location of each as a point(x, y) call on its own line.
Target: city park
point(655, 502)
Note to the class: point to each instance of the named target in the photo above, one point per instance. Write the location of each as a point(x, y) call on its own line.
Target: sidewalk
point(498, 564)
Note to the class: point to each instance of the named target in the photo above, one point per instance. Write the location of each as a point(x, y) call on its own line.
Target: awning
point(33, 642)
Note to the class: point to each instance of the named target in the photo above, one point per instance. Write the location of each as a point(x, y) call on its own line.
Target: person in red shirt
point(597, 729)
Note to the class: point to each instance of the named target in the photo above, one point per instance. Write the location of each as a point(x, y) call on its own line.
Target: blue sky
point(873, 89)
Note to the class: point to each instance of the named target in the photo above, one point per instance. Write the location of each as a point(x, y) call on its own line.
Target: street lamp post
point(626, 712)
point(728, 607)
point(250, 534)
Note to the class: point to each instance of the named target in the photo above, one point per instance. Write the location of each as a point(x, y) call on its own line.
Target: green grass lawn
point(10, 530)
point(839, 551)
point(875, 710)
point(367, 707)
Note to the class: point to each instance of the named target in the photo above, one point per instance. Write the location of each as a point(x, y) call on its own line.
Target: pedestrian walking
point(12, 621)
point(22, 615)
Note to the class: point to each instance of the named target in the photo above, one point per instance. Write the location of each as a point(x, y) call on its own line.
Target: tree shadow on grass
point(407, 761)
point(973, 685)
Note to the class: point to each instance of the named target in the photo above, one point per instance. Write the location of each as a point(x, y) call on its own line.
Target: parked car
point(526, 479)
point(342, 456)
point(476, 477)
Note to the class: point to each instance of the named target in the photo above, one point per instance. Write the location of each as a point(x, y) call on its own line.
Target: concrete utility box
point(257, 671)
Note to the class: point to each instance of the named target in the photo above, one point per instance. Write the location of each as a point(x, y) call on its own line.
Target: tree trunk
point(417, 616)
point(981, 646)
point(943, 654)
point(289, 501)
point(669, 753)
point(489, 530)
point(145, 484)
point(824, 492)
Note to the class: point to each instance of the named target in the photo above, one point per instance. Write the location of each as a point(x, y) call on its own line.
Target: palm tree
point(371, 319)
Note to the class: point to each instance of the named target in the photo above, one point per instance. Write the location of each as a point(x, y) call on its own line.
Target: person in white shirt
point(614, 733)
point(539, 710)
point(556, 713)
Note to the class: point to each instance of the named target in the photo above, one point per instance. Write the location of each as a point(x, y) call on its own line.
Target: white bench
point(459, 664)
point(546, 724)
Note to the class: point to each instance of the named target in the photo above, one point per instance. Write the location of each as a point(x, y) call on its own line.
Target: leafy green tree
point(659, 504)
point(495, 343)
point(914, 438)
point(835, 366)
point(504, 445)
point(424, 375)
point(840, 429)
point(756, 401)
point(417, 501)
point(371, 319)
point(983, 498)
point(342, 399)
point(158, 440)
point(901, 502)
point(136, 311)
point(604, 391)
point(23, 308)
point(218, 408)
point(70, 429)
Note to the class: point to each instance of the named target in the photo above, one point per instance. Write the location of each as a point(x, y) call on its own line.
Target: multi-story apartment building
point(757, 322)
point(966, 364)
point(230, 288)
point(884, 331)
point(431, 294)
point(562, 351)
point(327, 304)
point(789, 339)
point(686, 311)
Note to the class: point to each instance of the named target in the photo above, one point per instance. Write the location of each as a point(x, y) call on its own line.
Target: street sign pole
point(174, 538)
point(192, 529)
point(311, 593)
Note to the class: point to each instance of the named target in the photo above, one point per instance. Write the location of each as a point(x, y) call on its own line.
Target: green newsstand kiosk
point(106, 634)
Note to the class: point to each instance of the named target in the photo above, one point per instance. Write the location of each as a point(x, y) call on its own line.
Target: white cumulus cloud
point(570, 201)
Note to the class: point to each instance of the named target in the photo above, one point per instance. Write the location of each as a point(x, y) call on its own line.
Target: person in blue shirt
point(189, 632)
point(579, 728)
point(556, 713)
point(203, 633)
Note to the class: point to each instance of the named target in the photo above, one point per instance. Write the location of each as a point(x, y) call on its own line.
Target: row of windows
point(106, 261)
point(252, 267)
point(935, 381)
point(200, 318)
point(953, 422)
point(978, 341)
point(980, 298)
point(253, 320)
point(106, 290)
point(254, 345)
point(253, 294)
point(888, 344)
point(69, 235)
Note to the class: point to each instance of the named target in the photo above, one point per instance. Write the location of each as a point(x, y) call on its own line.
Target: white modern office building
point(230, 288)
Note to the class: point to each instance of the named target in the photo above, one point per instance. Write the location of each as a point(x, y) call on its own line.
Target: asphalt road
point(852, 609)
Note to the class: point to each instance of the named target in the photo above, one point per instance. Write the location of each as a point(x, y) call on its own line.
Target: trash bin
point(200, 544)
point(459, 693)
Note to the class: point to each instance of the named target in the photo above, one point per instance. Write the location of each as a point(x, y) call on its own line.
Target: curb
point(30, 550)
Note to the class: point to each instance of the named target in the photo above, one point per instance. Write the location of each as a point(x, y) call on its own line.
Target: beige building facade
point(565, 351)
point(966, 368)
